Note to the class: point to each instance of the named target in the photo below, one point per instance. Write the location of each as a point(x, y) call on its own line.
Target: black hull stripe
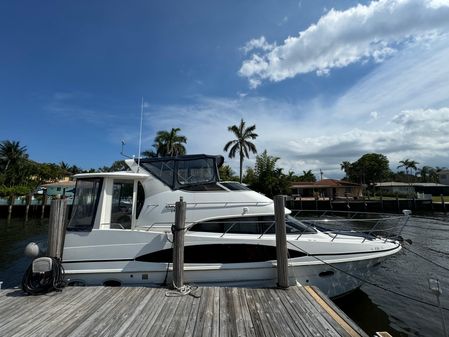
point(354, 253)
point(330, 255)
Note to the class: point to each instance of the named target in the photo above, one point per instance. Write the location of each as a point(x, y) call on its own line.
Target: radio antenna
point(122, 153)
point(140, 137)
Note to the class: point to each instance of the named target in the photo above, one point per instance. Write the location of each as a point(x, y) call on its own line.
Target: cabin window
point(164, 170)
point(186, 172)
point(198, 171)
point(235, 186)
point(122, 202)
point(140, 198)
point(87, 195)
point(251, 225)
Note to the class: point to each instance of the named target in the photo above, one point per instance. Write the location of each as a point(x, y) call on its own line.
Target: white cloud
point(417, 77)
point(400, 109)
point(340, 38)
point(260, 43)
point(307, 142)
point(374, 115)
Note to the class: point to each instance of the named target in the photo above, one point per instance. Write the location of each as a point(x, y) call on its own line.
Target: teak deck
point(139, 311)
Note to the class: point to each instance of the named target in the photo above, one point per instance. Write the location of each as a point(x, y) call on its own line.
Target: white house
point(444, 177)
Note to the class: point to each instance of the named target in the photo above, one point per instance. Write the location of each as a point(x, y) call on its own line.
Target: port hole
point(326, 273)
point(112, 283)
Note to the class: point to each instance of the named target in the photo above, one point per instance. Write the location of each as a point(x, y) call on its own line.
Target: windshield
point(183, 172)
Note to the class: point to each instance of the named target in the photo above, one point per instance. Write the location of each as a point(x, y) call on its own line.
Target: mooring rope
point(183, 291)
point(425, 258)
point(369, 282)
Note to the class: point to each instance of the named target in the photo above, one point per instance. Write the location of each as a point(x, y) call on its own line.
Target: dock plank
point(140, 311)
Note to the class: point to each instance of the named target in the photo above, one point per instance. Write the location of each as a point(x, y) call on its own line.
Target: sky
point(323, 81)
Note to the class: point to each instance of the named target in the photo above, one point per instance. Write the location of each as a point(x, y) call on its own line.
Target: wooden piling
point(443, 205)
point(178, 244)
point(27, 207)
point(397, 202)
point(12, 198)
point(57, 227)
point(281, 241)
point(44, 202)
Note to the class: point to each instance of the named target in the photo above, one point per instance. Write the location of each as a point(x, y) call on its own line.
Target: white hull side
point(261, 274)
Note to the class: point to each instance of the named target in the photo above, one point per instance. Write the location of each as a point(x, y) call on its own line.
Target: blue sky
point(324, 81)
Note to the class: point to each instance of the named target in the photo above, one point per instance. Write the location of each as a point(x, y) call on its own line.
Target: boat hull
point(334, 275)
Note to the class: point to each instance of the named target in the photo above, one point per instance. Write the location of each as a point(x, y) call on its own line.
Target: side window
point(122, 201)
point(87, 195)
point(140, 198)
point(251, 225)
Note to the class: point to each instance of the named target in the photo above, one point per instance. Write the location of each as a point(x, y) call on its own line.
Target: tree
point(14, 163)
point(149, 154)
point(429, 175)
point(346, 167)
point(118, 165)
point(75, 169)
point(227, 173)
point(307, 176)
point(266, 178)
point(169, 143)
point(368, 169)
point(11, 153)
point(408, 165)
point(46, 172)
point(241, 143)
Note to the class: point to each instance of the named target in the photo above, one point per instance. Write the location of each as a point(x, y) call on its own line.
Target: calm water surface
point(372, 308)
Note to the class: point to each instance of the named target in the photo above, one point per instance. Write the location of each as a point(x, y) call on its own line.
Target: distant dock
point(140, 311)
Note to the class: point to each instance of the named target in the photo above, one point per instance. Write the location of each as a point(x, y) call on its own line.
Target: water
point(14, 236)
point(372, 308)
point(375, 309)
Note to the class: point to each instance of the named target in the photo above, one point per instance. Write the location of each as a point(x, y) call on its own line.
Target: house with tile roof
point(64, 188)
point(327, 189)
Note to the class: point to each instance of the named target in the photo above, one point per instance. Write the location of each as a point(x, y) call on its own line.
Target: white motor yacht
point(120, 232)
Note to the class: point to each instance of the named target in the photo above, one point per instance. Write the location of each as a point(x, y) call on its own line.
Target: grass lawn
point(437, 198)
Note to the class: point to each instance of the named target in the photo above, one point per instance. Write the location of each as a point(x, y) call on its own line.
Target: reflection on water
point(359, 306)
point(372, 308)
point(375, 309)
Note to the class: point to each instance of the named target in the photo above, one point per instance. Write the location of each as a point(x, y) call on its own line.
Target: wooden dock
point(139, 311)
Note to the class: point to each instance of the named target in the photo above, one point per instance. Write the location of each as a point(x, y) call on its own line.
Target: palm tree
point(345, 166)
point(149, 154)
point(241, 145)
point(11, 153)
point(75, 169)
point(404, 163)
point(170, 143)
point(308, 176)
point(413, 165)
point(408, 164)
point(65, 168)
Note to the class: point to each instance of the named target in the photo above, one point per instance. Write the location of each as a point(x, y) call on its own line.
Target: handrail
point(383, 226)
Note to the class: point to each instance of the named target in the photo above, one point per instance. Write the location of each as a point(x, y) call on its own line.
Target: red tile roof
point(324, 183)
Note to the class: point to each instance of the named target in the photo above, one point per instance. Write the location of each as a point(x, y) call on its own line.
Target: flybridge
point(183, 171)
